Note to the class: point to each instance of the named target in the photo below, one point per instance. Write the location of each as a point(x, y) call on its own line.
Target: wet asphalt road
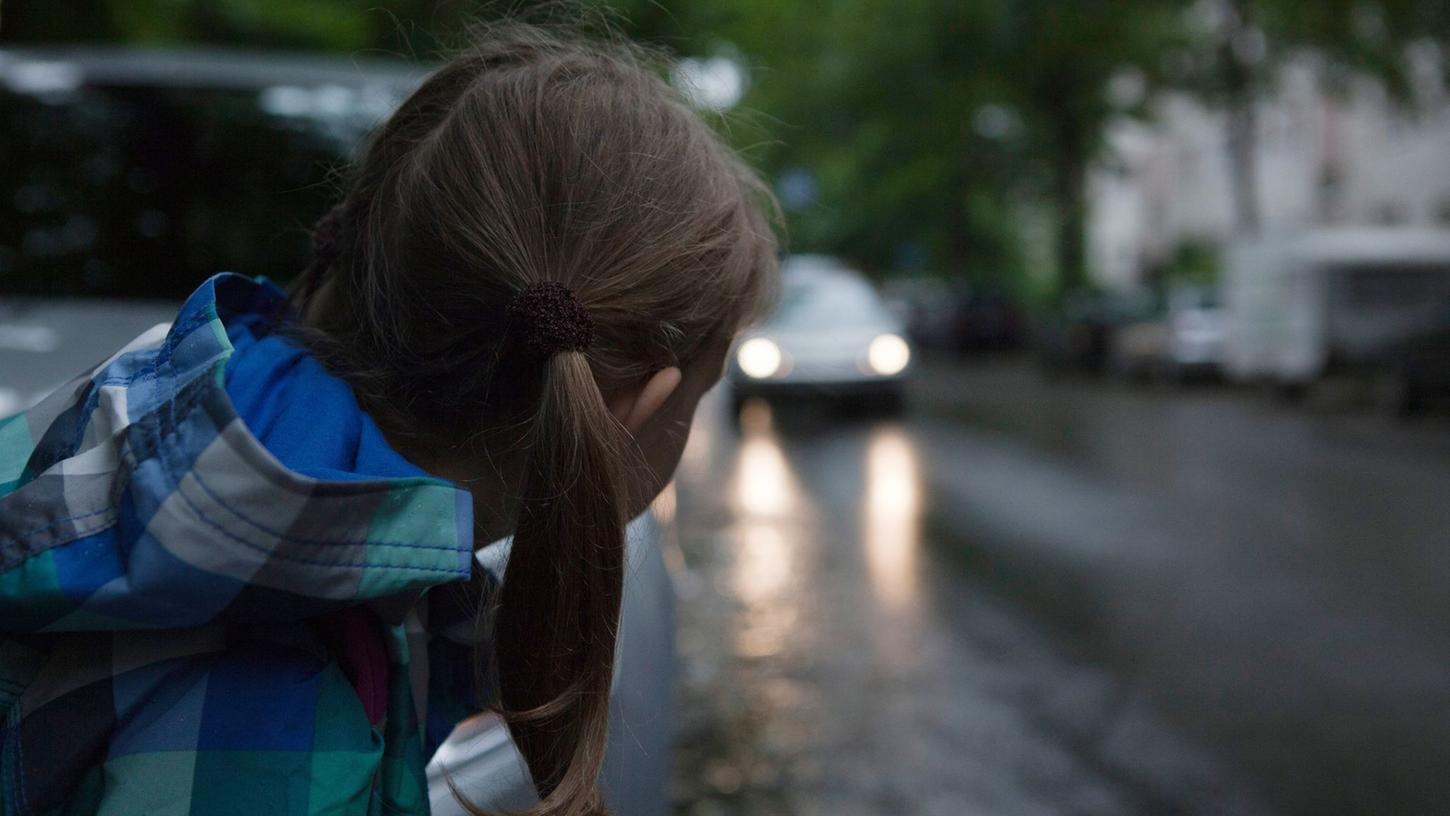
point(1030, 597)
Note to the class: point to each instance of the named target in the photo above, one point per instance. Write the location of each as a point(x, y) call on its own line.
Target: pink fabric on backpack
point(364, 658)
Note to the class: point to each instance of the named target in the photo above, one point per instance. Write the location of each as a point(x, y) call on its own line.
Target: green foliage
point(314, 24)
point(1058, 61)
point(927, 126)
point(1194, 261)
point(1241, 45)
point(1356, 36)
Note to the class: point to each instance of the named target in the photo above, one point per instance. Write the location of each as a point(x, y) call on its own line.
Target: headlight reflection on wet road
point(890, 524)
point(764, 484)
point(768, 504)
point(765, 569)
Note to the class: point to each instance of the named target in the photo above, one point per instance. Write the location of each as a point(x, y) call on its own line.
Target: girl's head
point(532, 158)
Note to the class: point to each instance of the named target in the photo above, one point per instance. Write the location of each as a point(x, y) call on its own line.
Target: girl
point(215, 547)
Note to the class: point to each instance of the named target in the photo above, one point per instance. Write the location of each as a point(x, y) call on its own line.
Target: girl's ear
point(634, 406)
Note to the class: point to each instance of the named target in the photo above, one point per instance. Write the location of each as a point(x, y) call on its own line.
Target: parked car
point(1414, 374)
point(988, 321)
point(1182, 340)
point(142, 173)
point(46, 341)
point(926, 308)
point(831, 337)
point(1078, 337)
point(958, 319)
point(1327, 302)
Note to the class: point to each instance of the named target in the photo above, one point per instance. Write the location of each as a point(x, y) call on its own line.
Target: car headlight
point(888, 354)
point(759, 358)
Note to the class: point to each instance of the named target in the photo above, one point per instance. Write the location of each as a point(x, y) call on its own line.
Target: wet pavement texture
point(1056, 597)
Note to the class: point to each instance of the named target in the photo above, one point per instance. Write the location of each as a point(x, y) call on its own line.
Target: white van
point(1300, 307)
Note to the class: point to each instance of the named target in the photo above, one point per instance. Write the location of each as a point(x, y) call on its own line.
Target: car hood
point(850, 338)
point(45, 340)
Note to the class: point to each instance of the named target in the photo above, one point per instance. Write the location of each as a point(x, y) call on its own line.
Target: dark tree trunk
point(960, 243)
point(1243, 145)
point(1242, 122)
point(1069, 203)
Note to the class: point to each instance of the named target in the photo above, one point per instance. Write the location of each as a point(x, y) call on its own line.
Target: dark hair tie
point(327, 236)
point(547, 318)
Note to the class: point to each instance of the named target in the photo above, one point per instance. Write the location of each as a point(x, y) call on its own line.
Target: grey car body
point(137, 174)
point(1182, 339)
point(322, 107)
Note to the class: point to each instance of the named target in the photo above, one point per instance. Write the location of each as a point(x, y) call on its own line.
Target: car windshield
point(828, 302)
point(145, 190)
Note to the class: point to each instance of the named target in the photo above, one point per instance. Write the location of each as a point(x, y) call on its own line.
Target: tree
point(1247, 43)
point(882, 117)
point(919, 124)
point(874, 120)
point(924, 120)
point(1059, 61)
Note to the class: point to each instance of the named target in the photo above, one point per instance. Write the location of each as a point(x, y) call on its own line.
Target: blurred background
point(1096, 460)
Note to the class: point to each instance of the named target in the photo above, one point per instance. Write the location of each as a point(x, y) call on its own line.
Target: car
point(1182, 341)
point(1414, 374)
point(831, 337)
point(142, 173)
point(46, 341)
point(955, 319)
point(988, 321)
point(926, 307)
point(1078, 337)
